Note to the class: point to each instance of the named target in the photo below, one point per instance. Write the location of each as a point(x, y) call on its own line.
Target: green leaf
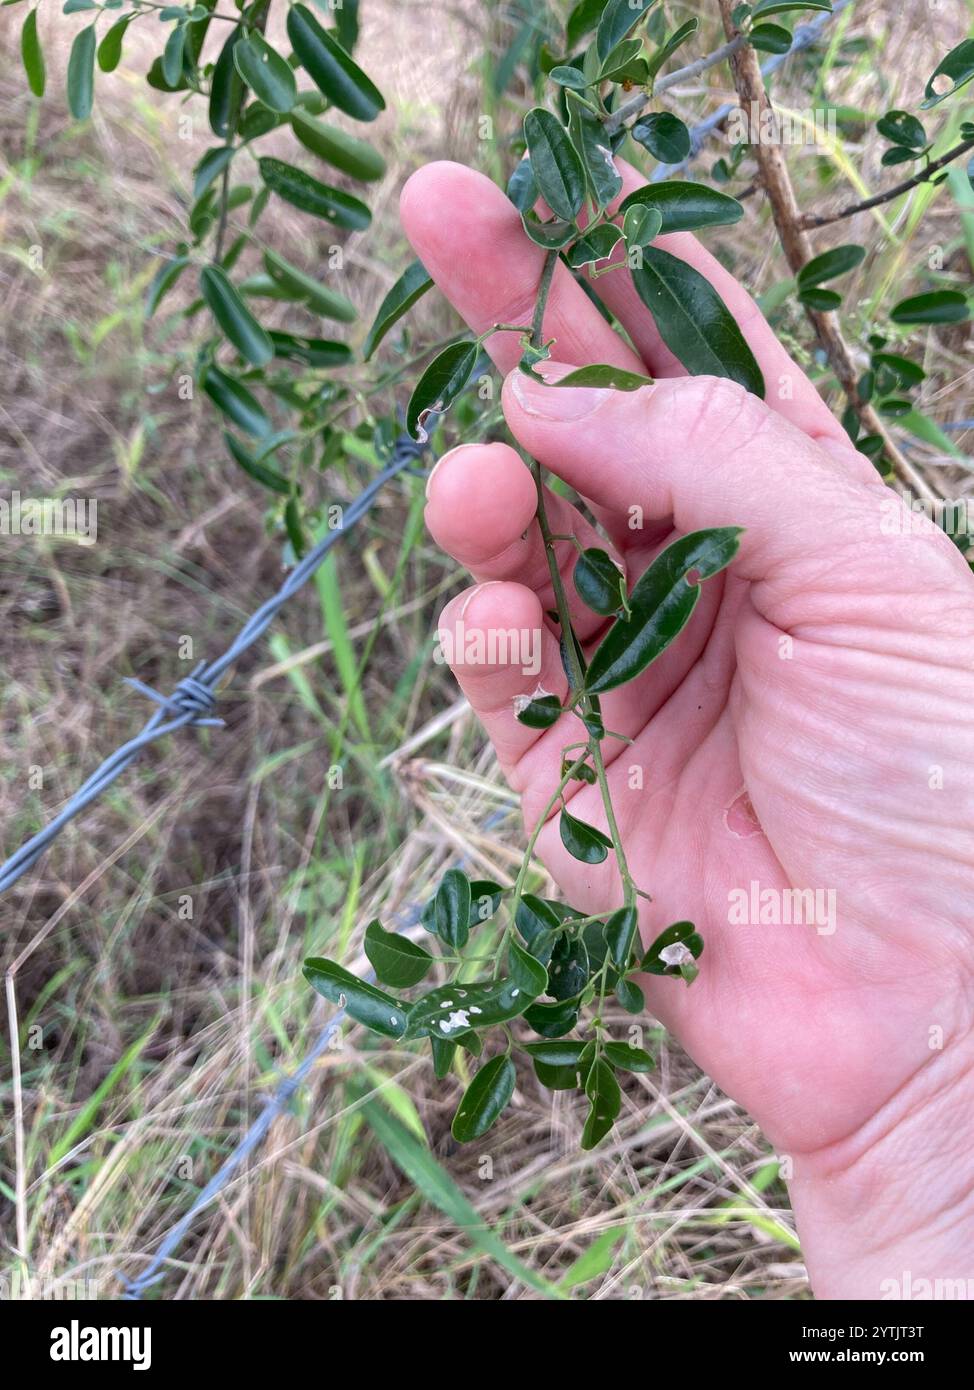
point(569, 969)
point(558, 1078)
point(452, 1010)
point(599, 581)
point(172, 56)
point(583, 842)
point(618, 17)
point(605, 1102)
point(313, 352)
point(555, 163)
point(570, 77)
point(906, 373)
point(589, 140)
point(903, 129)
point(539, 924)
point(485, 898)
point(306, 290)
point(522, 188)
point(366, 1004)
point(770, 38)
point(210, 167)
point(685, 206)
point(443, 1054)
point(681, 941)
point(628, 1058)
point(939, 306)
point(582, 20)
point(552, 1020)
point(310, 195)
point(484, 1100)
point(226, 89)
point(641, 225)
point(32, 54)
point(958, 67)
point(411, 286)
point(266, 73)
point(596, 245)
point(440, 384)
point(664, 135)
point(163, 281)
point(452, 911)
point(898, 154)
point(816, 298)
point(356, 158)
point(661, 602)
point(236, 402)
point(437, 1187)
point(552, 235)
point(540, 713)
point(830, 264)
point(334, 73)
point(666, 51)
point(557, 1054)
point(620, 933)
point(630, 996)
point(605, 375)
point(527, 973)
point(396, 960)
point(693, 320)
point(81, 74)
point(768, 7)
point(254, 468)
point(233, 316)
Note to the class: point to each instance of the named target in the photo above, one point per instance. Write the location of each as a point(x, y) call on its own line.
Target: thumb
point(707, 453)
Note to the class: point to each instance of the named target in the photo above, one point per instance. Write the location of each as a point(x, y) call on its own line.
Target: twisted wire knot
point(191, 696)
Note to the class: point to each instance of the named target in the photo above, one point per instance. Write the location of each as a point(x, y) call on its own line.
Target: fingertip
point(481, 500)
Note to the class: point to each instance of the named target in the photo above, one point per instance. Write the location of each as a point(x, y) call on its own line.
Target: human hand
point(791, 737)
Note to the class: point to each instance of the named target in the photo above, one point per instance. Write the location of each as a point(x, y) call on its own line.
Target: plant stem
point(811, 219)
point(544, 288)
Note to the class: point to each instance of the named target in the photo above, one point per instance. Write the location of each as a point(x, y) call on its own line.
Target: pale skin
point(812, 728)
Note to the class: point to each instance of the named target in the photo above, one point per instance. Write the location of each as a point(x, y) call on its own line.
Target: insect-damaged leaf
point(660, 605)
point(440, 384)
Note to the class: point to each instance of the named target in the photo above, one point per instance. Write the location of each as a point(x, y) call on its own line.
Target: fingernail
point(442, 460)
point(567, 403)
point(469, 598)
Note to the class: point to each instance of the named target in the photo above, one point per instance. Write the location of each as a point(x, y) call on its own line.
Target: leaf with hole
point(673, 950)
point(363, 1002)
point(902, 129)
point(956, 69)
point(660, 603)
point(440, 385)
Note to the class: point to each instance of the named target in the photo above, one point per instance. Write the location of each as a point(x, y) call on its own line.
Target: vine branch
point(776, 180)
point(811, 220)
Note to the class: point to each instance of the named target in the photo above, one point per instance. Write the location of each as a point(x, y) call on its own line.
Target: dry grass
point(209, 1010)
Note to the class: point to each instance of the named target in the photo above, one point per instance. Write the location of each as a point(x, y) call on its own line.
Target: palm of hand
point(790, 739)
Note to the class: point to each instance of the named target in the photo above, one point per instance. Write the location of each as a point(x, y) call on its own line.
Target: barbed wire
point(192, 701)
